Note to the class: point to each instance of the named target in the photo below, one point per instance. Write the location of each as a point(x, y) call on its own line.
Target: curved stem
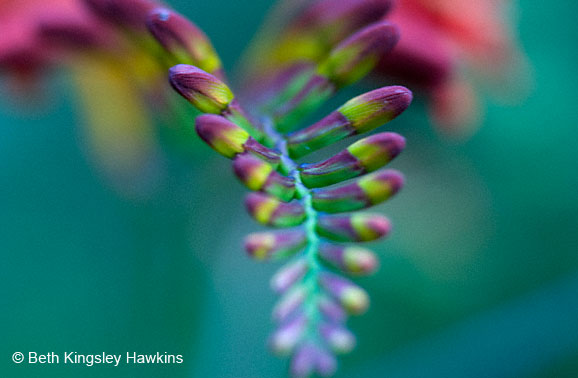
point(310, 281)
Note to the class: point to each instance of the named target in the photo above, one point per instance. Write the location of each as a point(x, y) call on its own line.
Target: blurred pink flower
point(445, 44)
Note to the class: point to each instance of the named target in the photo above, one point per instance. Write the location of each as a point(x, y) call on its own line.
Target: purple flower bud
point(271, 211)
point(357, 227)
point(289, 275)
point(349, 259)
point(339, 339)
point(205, 91)
point(353, 298)
point(259, 175)
point(359, 115)
point(331, 310)
point(286, 337)
point(311, 358)
point(275, 244)
point(362, 193)
point(184, 40)
point(289, 303)
point(363, 156)
point(129, 14)
point(353, 58)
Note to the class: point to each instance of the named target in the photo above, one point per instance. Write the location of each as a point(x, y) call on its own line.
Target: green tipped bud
point(275, 244)
point(288, 275)
point(349, 259)
point(365, 155)
point(205, 91)
point(355, 57)
point(339, 339)
point(353, 298)
point(259, 175)
point(362, 193)
point(272, 212)
point(184, 40)
point(223, 136)
point(358, 115)
point(357, 227)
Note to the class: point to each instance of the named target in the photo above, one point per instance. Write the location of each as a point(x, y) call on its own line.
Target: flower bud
point(349, 259)
point(286, 337)
point(363, 156)
point(128, 14)
point(353, 298)
point(311, 358)
point(288, 275)
point(339, 339)
point(288, 303)
point(205, 91)
point(359, 115)
point(355, 57)
point(272, 212)
point(259, 175)
point(184, 40)
point(274, 244)
point(364, 192)
point(358, 227)
point(229, 140)
point(331, 310)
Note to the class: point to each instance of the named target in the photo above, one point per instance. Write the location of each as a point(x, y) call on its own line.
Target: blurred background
point(479, 278)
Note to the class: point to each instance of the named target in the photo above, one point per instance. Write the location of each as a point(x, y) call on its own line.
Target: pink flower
point(444, 43)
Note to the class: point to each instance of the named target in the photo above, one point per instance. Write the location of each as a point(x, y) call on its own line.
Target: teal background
point(480, 278)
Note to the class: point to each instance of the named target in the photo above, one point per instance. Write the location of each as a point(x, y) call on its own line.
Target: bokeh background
point(479, 279)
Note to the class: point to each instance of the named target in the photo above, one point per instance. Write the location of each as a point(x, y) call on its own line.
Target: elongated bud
point(355, 57)
point(184, 40)
point(288, 275)
point(353, 298)
point(286, 337)
point(363, 156)
point(339, 339)
point(358, 115)
point(311, 358)
point(259, 175)
point(349, 259)
point(363, 192)
point(353, 227)
point(272, 212)
point(331, 310)
point(205, 91)
point(229, 140)
point(289, 303)
point(129, 14)
point(275, 244)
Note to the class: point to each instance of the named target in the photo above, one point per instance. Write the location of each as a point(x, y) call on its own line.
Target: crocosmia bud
point(358, 115)
point(275, 244)
point(184, 40)
point(349, 258)
point(362, 193)
point(353, 298)
point(260, 175)
point(273, 212)
point(363, 156)
point(205, 91)
point(353, 58)
point(357, 227)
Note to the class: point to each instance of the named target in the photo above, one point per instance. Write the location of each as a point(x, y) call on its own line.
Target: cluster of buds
point(314, 206)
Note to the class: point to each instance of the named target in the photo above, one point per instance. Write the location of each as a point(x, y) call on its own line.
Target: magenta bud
point(357, 227)
point(274, 244)
point(353, 298)
point(289, 275)
point(349, 258)
point(339, 339)
point(286, 337)
point(130, 14)
point(331, 310)
point(183, 39)
point(289, 303)
point(271, 211)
